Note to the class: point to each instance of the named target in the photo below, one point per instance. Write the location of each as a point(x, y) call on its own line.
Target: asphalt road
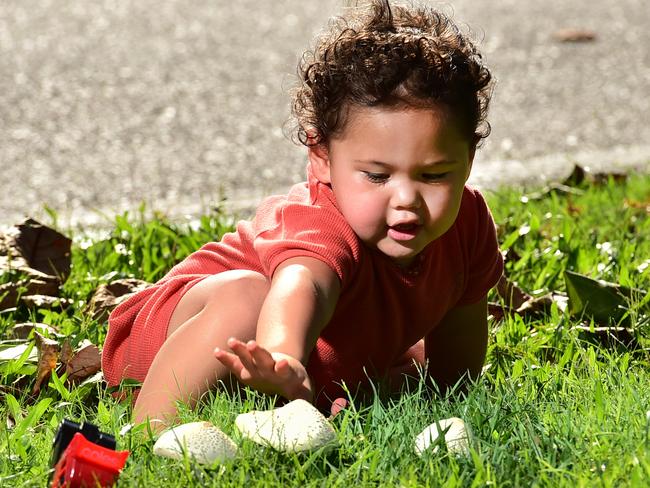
point(107, 103)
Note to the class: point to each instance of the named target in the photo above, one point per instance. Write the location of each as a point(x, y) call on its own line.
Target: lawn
point(564, 399)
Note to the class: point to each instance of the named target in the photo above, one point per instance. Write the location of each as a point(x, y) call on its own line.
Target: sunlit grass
point(553, 408)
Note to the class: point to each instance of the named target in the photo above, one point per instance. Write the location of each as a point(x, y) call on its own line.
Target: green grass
point(553, 408)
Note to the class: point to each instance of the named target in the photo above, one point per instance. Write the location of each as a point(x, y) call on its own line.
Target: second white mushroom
point(297, 426)
point(456, 434)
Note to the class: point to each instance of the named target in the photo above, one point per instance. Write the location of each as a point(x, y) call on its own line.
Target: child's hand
point(267, 372)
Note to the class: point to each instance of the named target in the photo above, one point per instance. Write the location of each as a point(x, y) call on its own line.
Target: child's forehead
point(357, 116)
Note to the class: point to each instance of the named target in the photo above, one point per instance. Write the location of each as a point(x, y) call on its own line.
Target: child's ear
point(320, 163)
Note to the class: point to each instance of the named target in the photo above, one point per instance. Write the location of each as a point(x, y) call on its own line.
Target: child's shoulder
point(474, 216)
point(473, 202)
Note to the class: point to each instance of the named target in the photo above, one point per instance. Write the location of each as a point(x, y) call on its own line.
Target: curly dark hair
point(382, 56)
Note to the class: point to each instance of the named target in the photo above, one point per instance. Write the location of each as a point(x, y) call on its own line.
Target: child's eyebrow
point(442, 162)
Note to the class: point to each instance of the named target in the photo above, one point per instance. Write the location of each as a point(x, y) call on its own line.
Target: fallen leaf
point(44, 301)
point(574, 35)
point(577, 176)
point(518, 301)
point(9, 260)
point(96, 378)
point(542, 304)
point(35, 283)
point(572, 209)
point(510, 255)
point(43, 248)
point(66, 352)
point(645, 205)
point(498, 311)
point(48, 354)
point(22, 330)
point(609, 336)
point(110, 295)
point(511, 294)
point(603, 178)
point(85, 362)
point(598, 299)
point(553, 188)
point(14, 352)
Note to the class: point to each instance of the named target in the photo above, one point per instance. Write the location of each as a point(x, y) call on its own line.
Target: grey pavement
point(107, 103)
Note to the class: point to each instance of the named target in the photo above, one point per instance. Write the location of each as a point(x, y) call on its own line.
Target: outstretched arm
point(457, 346)
point(303, 294)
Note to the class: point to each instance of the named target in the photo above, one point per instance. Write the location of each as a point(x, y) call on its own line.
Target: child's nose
point(406, 195)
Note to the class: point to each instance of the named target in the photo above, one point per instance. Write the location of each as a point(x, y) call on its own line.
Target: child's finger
point(230, 361)
point(282, 368)
point(261, 356)
point(242, 352)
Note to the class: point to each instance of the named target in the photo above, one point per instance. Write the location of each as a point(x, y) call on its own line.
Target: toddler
point(381, 258)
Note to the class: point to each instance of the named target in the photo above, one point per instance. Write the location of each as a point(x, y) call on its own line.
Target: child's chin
point(402, 258)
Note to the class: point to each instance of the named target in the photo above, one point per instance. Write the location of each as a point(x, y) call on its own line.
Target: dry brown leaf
point(44, 249)
point(8, 295)
point(22, 330)
point(110, 295)
point(577, 176)
point(603, 178)
point(510, 255)
point(14, 352)
point(644, 205)
point(573, 210)
point(36, 283)
point(609, 336)
point(517, 301)
point(541, 305)
point(85, 362)
point(48, 355)
point(66, 352)
point(512, 296)
point(44, 301)
point(498, 311)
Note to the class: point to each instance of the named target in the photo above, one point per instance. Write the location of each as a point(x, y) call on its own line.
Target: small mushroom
point(457, 436)
point(297, 426)
point(202, 441)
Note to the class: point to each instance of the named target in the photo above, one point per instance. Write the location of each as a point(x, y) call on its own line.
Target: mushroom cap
point(202, 441)
point(295, 427)
point(457, 436)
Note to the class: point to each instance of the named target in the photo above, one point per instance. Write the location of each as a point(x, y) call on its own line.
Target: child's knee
point(245, 286)
point(240, 292)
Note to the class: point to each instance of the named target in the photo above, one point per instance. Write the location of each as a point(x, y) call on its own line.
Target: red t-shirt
point(382, 309)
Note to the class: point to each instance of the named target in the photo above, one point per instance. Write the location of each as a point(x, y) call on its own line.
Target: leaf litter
point(35, 262)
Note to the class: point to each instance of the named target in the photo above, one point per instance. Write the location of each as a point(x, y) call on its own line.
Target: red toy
point(84, 456)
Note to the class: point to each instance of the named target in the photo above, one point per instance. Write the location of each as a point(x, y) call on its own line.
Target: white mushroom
point(201, 441)
point(297, 426)
point(457, 436)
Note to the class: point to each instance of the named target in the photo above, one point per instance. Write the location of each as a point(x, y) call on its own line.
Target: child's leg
point(407, 367)
point(219, 307)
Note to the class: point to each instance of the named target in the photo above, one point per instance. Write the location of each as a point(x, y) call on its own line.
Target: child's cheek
point(366, 214)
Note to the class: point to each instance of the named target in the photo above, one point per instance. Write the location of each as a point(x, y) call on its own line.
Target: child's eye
point(376, 177)
point(434, 176)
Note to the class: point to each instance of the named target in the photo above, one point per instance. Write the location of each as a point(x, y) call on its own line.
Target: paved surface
point(105, 103)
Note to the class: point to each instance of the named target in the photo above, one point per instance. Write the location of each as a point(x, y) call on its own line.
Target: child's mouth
point(403, 232)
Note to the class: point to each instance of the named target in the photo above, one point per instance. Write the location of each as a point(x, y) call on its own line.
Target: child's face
point(397, 175)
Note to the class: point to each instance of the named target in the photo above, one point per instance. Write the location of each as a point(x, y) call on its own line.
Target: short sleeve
point(484, 262)
point(287, 229)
